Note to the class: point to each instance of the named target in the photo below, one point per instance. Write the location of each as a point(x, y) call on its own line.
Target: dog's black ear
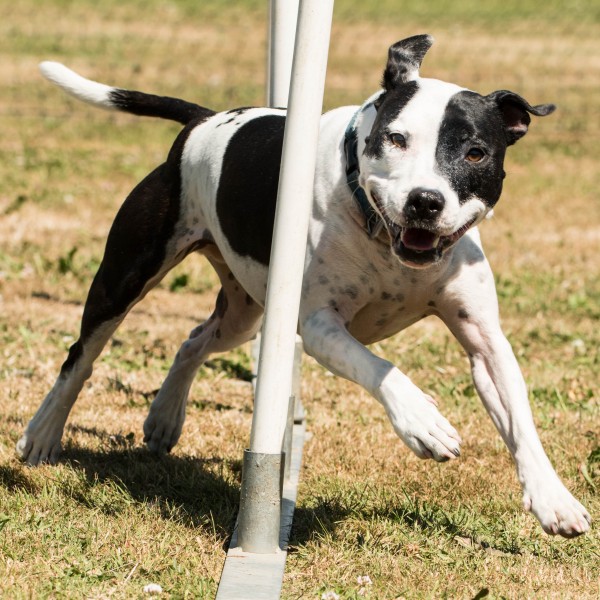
point(404, 59)
point(515, 113)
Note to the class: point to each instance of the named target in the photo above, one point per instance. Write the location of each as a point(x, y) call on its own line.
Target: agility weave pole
point(256, 559)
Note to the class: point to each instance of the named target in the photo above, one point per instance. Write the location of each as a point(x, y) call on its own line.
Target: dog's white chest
point(394, 311)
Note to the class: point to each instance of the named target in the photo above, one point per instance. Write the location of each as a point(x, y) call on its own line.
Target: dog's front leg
point(413, 414)
point(502, 389)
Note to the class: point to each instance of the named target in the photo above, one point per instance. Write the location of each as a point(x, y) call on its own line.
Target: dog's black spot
point(350, 291)
point(385, 295)
point(413, 280)
point(333, 304)
point(221, 305)
point(230, 276)
point(330, 331)
point(323, 279)
point(399, 297)
point(218, 333)
point(389, 105)
point(239, 111)
point(372, 267)
point(381, 322)
point(249, 300)
point(472, 121)
point(320, 260)
point(462, 313)
point(247, 191)
point(401, 308)
point(431, 303)
point(198, 330)
point(226, 122)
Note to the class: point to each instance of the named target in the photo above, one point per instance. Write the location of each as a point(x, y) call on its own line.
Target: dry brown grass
point(111, 518)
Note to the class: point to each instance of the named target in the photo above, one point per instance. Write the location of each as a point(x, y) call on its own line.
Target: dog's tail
point(112, 98)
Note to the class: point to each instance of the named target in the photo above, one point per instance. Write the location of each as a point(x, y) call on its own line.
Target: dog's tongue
point(419, 239)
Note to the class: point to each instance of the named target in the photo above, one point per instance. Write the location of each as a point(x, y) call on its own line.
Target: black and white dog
point(401, 184)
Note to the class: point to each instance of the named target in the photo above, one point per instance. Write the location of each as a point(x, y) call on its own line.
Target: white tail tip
point(81, 88)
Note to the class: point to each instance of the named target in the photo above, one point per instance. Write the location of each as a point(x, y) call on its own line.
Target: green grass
point(110, 518)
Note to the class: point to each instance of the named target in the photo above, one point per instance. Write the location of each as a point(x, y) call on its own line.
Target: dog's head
point(431, 153)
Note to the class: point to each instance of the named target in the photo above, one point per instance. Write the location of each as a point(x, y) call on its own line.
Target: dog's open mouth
point(417, 246)
point(422, 240)
point(421, 247)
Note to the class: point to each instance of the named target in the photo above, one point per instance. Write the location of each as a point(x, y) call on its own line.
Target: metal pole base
point(260, 503)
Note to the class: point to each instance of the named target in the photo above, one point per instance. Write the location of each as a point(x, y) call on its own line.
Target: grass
point(110, 518)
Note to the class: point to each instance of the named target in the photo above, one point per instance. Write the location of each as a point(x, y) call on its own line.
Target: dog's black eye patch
point(471, 148)
point(392, 104)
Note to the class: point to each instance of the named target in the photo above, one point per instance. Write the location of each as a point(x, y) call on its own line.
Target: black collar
point(373, 222)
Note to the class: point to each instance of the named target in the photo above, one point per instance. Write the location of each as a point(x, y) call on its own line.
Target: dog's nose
point(423, 204)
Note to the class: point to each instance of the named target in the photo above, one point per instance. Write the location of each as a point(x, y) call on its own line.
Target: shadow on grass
point(197, 492)
point(407, 517)
point(15, 479)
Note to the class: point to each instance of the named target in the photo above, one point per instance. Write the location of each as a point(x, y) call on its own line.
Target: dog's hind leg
point(41, 442)
point(235, 320)
point(137, 256)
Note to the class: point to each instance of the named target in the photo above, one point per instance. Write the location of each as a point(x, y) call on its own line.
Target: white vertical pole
point(260, 502)
point(283, 21)
point(294, 203)
point(283, 18)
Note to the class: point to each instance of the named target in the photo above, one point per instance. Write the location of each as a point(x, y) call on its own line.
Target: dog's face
point(432, 164)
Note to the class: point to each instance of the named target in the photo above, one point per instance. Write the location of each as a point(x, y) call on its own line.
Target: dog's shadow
point(199, 492)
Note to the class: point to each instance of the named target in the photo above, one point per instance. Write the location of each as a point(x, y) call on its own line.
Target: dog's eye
point(475, 155)
point(398, 140)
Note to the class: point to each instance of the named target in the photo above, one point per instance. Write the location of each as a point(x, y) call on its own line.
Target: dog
point(401, 184)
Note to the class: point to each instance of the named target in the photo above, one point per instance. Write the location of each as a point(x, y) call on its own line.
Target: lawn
point(111, 518)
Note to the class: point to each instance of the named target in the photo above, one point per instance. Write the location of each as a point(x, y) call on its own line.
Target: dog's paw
point(429, 435)
point(39, 448)
point(558, 511)
point(418, 422)
point(162, 428)
point(160, 436)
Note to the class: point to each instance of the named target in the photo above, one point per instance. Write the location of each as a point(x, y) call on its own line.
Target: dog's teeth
point(435, 242)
